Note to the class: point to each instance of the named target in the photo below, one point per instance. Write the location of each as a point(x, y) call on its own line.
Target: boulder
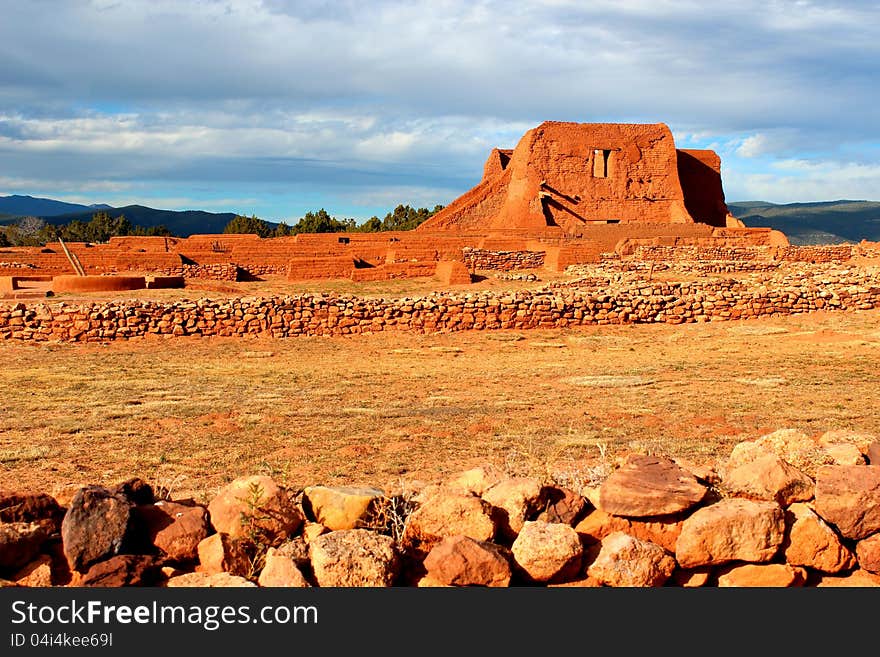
point(732, 529)
point(20, 543)
point(768, 477)
point(475, 481)
point(222, 553)
point(873, 453)
point(868, 553)
point(810, 542)
point(848, 497)
point(354, 557)
point(31, 507)
point(38, 573)
point(861, 440)
point(691, 578)
point(844, 454)
point(136, 491)
point(649, 486)
point(451, 514)
point(779, 575)
point(257, 509)
point(856, 579)
point(792, 446)
point(514, 500)
point(123, 570)
point(94, 526)
point(562, 505)
point(206, 580)
point(280, 570)
point(312, 530)
point(625, 561)
point(174, 528)
point(340, 507)
point(462, 561)
point(662, 531)
point(547, 552)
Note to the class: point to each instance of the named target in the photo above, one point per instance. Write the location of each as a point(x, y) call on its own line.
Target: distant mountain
point(23, 206)
point(825, 222)
point(182, 223)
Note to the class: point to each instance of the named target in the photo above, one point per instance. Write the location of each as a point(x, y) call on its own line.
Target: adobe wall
point(699, 172)
point(801, 288)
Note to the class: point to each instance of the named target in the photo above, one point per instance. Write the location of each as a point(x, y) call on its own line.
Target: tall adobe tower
point(564, 178)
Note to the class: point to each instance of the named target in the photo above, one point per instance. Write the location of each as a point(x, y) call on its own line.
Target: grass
point(191, 413)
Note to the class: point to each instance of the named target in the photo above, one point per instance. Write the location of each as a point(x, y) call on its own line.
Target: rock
point(873, 453)
point(38, 573)
point(280, 570)
point(649, 486)
point(868, 553)
point(732, 529)
point(205, 580)
point(626, 561)
point(65, 492)
point(462, 561)
point(340, 507)
point(810, 542)
point(779, 575)
point(768, 477)
point(428, 582)
point(705, 474)
point(848, 497)
point(582, 583)
point(591, 494)
point(354, 557)
point(859, 439)
point(255, 508)
point(451, 514)
point(174, 528)
point(548, 552)
point(31, 507)
point(298, 550)
point(794, 447)
point(845, 454)
point(562, 505)
point(221, 553)
point(123, 570)
point(661, 531)
point(857, 578)
point(94, 526)
point(312, 530)
point(20, 543)
point(475, 481)
point(136, 491)
point(514, 500)
point(691, 578)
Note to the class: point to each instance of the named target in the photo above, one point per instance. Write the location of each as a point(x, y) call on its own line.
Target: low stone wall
point(215, 272)
point(820, 253)
point(484, 259)
point(593, 301)
point(783, 510)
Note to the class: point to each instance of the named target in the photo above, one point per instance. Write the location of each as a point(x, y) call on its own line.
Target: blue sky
point(276, 107)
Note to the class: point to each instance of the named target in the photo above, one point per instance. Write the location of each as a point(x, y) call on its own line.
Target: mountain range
point(825, 222)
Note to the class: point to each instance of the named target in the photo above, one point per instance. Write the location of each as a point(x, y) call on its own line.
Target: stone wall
point(593, 301)
point(483, 259)
point(783, 510)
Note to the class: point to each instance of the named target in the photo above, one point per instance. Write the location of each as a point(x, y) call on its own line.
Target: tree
point(281, 230)
point(371, 225)
point(244, 225)
point(322, 222)
point(405, 217)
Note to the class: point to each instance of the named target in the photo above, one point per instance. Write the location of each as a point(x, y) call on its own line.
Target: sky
point(277, 107)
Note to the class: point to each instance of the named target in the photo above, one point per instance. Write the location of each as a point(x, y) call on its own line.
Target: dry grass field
point(396, 409)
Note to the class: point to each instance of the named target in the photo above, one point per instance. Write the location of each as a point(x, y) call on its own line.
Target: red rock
point(649, 486)
point(812, 543)
point(257, 509)
point(848, 497)
point(281, 571)
point(765, 575)
point(38, 573)
point(857, 579)
point(514, 500)
point(873, 453)
point(475, 481)
point(31, 507)
point(462, 561)
point(662, 531)
point(94, 526)
point(221, 553)
point(691, 578)
point(768, 477)
point(450, 514)
point(733, 529)
point(123, 570)
point(20, 543)
point(625, 561)
point(206, 580)
point(341, 507)
point(562, 505)
point(548, 552)
point(174, 528)
point(868, 553)
point(354, 558)
point(136, 491)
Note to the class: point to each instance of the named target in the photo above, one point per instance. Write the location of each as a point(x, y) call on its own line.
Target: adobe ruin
point(567, 194)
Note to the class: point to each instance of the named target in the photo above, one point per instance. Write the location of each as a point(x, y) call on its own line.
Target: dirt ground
point(395, 410)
